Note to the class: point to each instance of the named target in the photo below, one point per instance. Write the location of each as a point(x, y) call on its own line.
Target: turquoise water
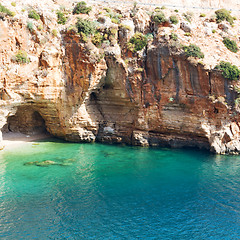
point(117, 192)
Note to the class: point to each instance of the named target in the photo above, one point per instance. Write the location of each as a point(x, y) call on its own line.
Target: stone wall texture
point(82, 93)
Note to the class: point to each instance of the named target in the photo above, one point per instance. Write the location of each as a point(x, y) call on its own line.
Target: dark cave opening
point(27, 121)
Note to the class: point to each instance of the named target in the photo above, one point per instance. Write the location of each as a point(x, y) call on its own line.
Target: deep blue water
point(117, 192)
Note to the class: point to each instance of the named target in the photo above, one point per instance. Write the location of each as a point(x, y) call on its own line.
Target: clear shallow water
point(115, 192)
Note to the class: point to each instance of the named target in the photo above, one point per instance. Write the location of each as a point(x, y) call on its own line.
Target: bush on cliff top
point(30, 26)
point(229, 71)
point(81, 7)
point(6, 10)
point(230, 44)
point(159, 17)
point(33, 14)
point(193, 51)
point(21, 57)
point(61, 17)
point(223, 14)
point(137, 42)
point(173, 19)
point(85, 26)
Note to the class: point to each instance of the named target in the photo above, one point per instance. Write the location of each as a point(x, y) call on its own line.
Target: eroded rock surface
point(82, 93)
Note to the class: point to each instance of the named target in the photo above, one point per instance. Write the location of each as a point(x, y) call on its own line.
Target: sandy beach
point(16, 139)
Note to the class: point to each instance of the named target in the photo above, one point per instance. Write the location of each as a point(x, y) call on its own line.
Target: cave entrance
point(27, 121)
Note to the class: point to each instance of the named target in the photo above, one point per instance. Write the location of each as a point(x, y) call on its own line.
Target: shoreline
point(15, 139)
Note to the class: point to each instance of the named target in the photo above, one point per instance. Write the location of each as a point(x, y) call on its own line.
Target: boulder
point(186, 26)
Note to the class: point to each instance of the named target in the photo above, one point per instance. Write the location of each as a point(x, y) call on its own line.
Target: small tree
point(223, 14)
point(33, 14)
point(159, 17)
point(137, 42)
point(193, 51)
point(6, 10)
point(173, 19)
point(61, 18)
point(229, 71)
point(85, 26)
point(230, 44)
point(81, 7)
point(21, 57)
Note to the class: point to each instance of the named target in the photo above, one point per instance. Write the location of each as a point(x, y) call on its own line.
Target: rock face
point(76, 91)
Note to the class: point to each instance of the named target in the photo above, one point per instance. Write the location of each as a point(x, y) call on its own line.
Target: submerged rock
point(46, 163)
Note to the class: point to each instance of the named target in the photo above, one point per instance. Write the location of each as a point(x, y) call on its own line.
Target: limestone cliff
point(81, 92)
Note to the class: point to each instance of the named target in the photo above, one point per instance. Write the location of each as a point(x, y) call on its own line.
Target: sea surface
point(96, 191)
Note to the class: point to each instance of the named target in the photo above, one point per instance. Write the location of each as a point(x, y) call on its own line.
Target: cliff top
point(200, 29)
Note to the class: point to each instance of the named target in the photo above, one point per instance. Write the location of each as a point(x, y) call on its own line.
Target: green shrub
point(40, 27)
point(149, 36)
point(223, 14)
point(137, 42)
point(33, 14)
point(187, 34)
point(188, 16)
point(30, 26)
point(159, 18)
point(54, 32)
point(230, 44)
point(21, 57)
point(229, 71)
point(213, 31)
point(173, 19)
point(97, 39)
point(81, 7)
point(134, 10)
point(85, 26)
point(114, 20)
point(193, 51)
point(202, 15)
point(176, 10)
point(174, 36)
point(125, 27)
point(107, 9)
point(115, 17)
point(61, 17)
point(6, 10)
point(13, 4)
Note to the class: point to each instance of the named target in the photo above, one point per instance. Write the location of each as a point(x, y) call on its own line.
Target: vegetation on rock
point(54, 32)
point(223, 14)
point(85, 26)
point(193, 51)
point(173, 19)
point(174, 36)
point(137, 42)
point(33, 14)
point(97, 39)
point(159, 17)
point(30, 26)
point(188, 16)
point(230, 44)
point(229, 71)
point(6, 11)
point(61, 17)
point(115, 17)
point(21, 57)
point(81, 7)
